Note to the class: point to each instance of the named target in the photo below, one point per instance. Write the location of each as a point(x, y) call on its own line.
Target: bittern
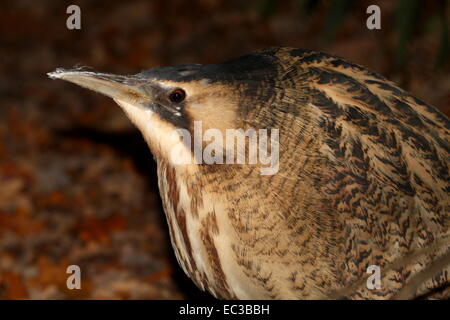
point(361, 180)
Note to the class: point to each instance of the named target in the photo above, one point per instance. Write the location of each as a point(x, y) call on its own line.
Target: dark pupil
point(177, 95)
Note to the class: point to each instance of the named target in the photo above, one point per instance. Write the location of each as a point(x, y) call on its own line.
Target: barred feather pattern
point(363, 181)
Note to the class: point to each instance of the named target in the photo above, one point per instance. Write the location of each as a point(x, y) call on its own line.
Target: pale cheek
point(214, 113)
point(162, 138)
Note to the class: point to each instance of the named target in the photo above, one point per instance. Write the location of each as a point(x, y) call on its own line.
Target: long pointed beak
point(125, 88)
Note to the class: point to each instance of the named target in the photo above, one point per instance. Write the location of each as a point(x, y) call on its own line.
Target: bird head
point(164, 100)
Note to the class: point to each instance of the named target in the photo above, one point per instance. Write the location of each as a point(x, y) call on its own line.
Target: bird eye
point(177, 95)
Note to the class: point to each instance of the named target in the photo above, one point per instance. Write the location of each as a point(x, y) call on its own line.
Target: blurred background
point(77, 182)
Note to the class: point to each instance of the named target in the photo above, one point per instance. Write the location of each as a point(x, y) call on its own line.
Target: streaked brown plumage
point(363, 177)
